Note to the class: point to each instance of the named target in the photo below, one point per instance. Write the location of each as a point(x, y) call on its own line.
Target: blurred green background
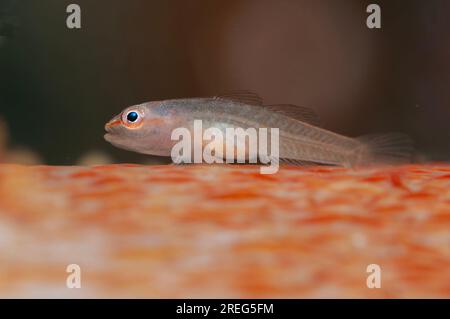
point(59, 86)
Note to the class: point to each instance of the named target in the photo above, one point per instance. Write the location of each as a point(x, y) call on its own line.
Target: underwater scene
point(224, 149)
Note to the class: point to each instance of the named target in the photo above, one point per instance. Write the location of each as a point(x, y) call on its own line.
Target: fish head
point(139, 128)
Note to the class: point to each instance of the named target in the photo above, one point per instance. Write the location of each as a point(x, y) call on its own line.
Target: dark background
point(59, 86)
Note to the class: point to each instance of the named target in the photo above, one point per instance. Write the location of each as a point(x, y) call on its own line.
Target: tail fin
point(390, 148)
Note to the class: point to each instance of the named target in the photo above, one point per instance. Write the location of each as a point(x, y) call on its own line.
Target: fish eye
point(132, 116)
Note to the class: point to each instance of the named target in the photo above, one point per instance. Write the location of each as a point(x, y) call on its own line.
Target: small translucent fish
point(147, 128)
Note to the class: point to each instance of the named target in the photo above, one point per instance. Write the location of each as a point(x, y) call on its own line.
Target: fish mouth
point(114, 122)
point(108, 137)
point(108, 127)
point(109, 132)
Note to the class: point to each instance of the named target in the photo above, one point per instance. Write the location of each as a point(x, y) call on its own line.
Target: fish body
point(299, 141)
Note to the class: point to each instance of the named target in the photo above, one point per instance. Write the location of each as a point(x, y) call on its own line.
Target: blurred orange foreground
point(224, 231)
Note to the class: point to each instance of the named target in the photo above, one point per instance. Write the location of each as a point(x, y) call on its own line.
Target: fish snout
point(112, 123)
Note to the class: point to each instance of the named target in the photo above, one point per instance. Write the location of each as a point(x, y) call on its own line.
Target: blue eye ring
point(132, 116)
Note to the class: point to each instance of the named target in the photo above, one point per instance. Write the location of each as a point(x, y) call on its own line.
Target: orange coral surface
point(224, 231)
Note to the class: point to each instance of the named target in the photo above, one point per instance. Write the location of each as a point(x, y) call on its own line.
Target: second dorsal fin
point(300, 113)
point(246, 97)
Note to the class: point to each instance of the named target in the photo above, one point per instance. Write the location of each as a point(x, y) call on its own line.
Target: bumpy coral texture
point(224, 231)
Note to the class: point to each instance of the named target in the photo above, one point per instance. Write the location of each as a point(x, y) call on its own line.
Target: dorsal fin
point(246, 97)
point(300, 113)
